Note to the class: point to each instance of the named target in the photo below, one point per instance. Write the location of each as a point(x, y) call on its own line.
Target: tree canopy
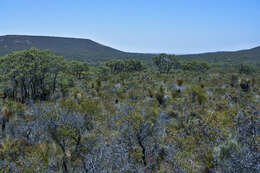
point(130, 65)
point(165, 63)
point(31, 74)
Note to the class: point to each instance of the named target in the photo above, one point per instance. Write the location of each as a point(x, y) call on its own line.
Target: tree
point(246, 69)
point(131, 65)
point(196, 66)
point(31, 74)
point(165, 63)
point(116, 66)
point(78, 68)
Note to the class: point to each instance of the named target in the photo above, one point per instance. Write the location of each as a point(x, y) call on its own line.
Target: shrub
point(246, 69)
point(165, 63)
point(196, 66)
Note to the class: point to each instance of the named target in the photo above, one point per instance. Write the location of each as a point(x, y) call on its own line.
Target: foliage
point(31, 74)
point(165, 63)
point(196, 66)
point(79, 69)
point(246, 69)
point(131, 65)
point(125, 117)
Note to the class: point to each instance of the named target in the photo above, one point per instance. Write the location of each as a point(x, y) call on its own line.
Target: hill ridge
point(71, 48)
point(85, 49)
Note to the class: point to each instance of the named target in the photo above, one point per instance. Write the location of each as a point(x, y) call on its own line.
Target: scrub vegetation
point(170, 114)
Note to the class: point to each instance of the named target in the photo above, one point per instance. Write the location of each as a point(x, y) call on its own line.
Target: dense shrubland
point(125, 116)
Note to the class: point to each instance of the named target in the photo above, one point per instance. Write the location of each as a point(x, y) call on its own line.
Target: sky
point(148, 26)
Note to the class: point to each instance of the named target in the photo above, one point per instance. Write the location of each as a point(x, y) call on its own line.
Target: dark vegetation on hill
point(70, 48)
point(92, 52)
point(250, 56)
point(125, 116)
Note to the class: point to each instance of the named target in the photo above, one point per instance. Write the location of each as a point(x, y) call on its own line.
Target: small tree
point(119, 66)
point(165, 63)
point(196, 66)
point(78, 68)
point(245, 69)
point(31, 74)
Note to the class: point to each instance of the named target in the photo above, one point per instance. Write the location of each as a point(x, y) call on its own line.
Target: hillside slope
point(70, 48)
point(249, 55)
point(88, 50)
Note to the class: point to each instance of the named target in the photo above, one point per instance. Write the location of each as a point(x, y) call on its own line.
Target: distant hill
point(249, 55)
point(70, 48)
point(88, 50)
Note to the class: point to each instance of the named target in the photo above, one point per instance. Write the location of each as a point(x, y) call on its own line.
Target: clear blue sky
point(171, 26)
